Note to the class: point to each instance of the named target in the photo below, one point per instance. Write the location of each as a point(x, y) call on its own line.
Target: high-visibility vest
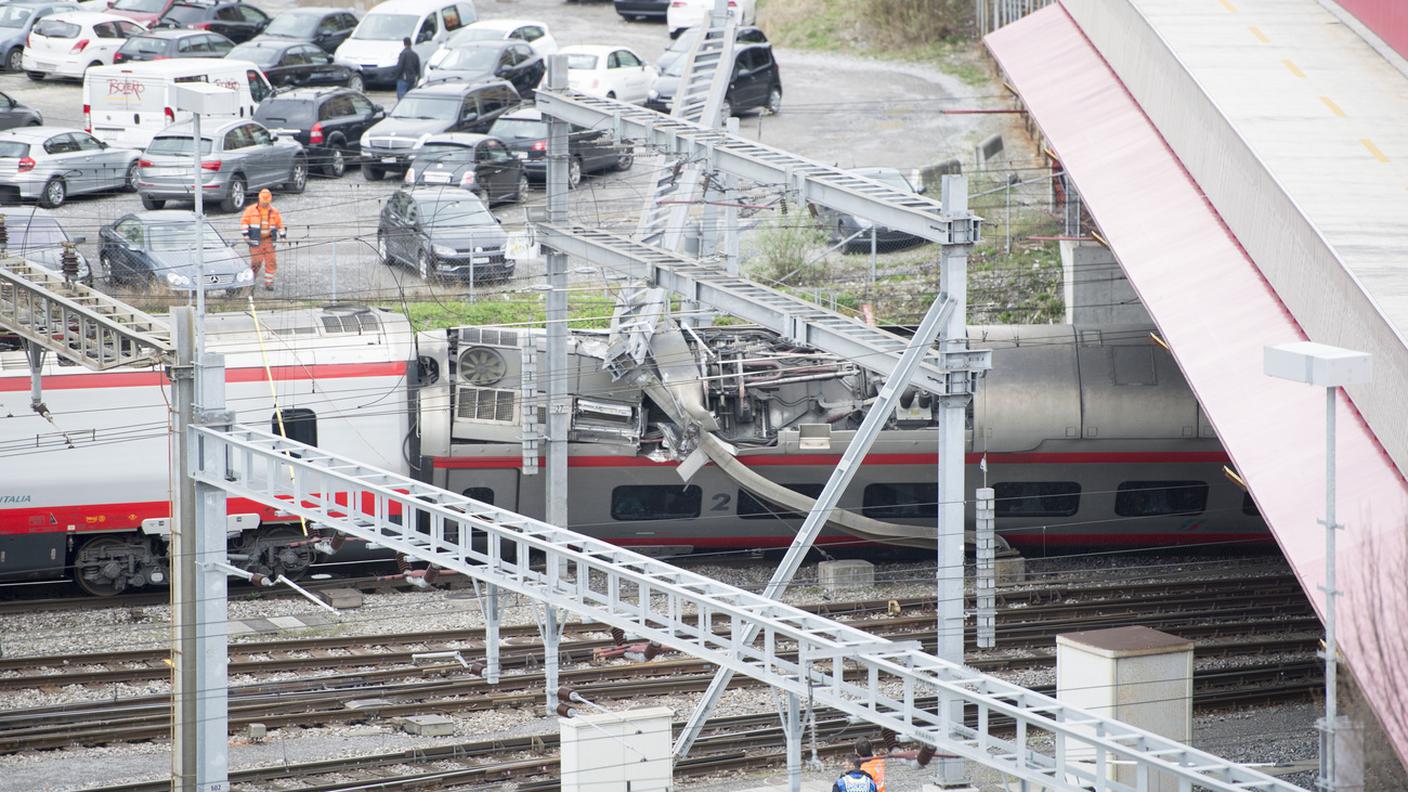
point(875, 766)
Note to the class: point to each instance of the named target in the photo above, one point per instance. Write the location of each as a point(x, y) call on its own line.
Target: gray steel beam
point(871, 348)
point(555, 369)
point(715, 150)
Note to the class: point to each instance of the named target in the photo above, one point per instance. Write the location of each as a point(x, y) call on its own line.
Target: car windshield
point(185, 14)
point(10, 149)
point(519, 129)
point(892, 180)
point(172, 237)
point(442, 152)
point(450, 211)
point(386, 27)
point(466, 59)
point(34, 233)
point(676, 67)
point(427, 108)
point(294, 25)
point(578, 60)
point(144, 45)
point(14, 16)
point(174, 146)
point(144, 6)
point(262, 56)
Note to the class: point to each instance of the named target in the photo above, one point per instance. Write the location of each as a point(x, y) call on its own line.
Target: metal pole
point(1328, 779)
point(212, 710)
point(792, 730)
point(873, 250)
point(35, 354)
point(198, 197)
point(953, 337)
point(334, 271)
point(556, 369)
point(985, 574)
point(1007, 223)
point(730, 182)
point(491, 634)
point(552, 633)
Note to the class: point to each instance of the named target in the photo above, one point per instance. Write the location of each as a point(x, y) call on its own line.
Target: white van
point(127, 104)
point(376, 43)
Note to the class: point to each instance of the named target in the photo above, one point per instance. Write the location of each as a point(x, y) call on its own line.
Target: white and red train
point(1091, 438)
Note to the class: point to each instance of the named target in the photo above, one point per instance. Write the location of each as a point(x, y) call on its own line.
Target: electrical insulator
point(403, 564)
point(649, 652)
point(566, 697)
point(431, 574)
point(69, 261)
point(890, 740)
point(477, 668)
point(926, 754)
point(4, 234)
point(618, 635)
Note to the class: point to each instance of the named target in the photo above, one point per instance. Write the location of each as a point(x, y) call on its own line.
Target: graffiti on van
point(126, 87)
point(233, 85)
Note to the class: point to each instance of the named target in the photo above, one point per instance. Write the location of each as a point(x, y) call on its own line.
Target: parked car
point(857, 231)
point(168, 43)
point(14, 113)
point(746, 34)
point(68, 44)
point(145, 12)
point(17, 19)
point(481, 164)
point(325, 27)
point(289, 64)
point(329, 122)
point(695, 13)
point(238, 156)
point(643, 9)
point(476, 61)
point(756, 83)
point(376, 43)
point(610, 72)
point(444, 107)
point(126, 105)
point(48, 164)
point(35, 235)
point(443, 232)
point(533, 33)
point(237, 21)
point(159, 249)
point(526, 134)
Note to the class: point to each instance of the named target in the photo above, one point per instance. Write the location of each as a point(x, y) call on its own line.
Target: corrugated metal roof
point(1218, 314)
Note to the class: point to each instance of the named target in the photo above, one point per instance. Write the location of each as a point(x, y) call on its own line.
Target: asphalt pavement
point(837, 109)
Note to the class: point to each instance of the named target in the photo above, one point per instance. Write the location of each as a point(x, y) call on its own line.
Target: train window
point(1036, 498)
point(300, 424)
point(481, 494)
point(753, 508)
point(1249, 506)
point(1150, 498)
point(655, 502)
point(901, 501)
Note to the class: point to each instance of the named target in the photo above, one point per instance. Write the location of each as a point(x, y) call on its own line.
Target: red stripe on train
point(782, 460)
point(144, 379)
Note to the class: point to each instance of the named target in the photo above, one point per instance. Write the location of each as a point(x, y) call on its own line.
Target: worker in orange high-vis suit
point(263, 225)
point(873, 765)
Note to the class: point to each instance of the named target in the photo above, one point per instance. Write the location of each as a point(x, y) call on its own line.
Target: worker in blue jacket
point(855, 780)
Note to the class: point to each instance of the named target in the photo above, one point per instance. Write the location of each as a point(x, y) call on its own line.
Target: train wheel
point(270, 553)
point(100, 567)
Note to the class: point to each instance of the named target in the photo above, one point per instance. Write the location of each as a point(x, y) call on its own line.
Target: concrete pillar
point(1096, 291)
point(627, 751)
point(1138, 675)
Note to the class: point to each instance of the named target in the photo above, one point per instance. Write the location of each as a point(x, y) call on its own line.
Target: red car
point(143, 11)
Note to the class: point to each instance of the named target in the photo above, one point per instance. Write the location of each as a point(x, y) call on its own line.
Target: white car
point(690, 13)
point(66, 45)
point(536, 34)
point(609, 72)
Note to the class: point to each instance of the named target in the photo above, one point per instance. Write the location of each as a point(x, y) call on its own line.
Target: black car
point(857, 233)
point(643, 9)
point(443, 232)
point(158, 248)
point(481, 164)
point(443, 107)
point(526, 134)
point(476, 61)
point(15, 114)
point(679, 46)
point(329, 122)
point(756, 83)
point(325, 27)
point(238, 22)
point(173, 43)
point(290, 64)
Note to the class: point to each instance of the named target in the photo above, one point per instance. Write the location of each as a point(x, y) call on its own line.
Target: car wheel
point(134, 173)
point(298, 179)
point(53, 194)
point(522, 194)
point(423, 265)
point(105, 264)
point(234, 197)
point(372, 173)
point(625, 161)
point(381, 250)
point(726, 110)
point(36, 76)
point(574, 173)
point(14, 60)
point(243, 291)
point(355, 82)
point(336, 164)
point(149, 202)
point(89, 66)
point(774, 105)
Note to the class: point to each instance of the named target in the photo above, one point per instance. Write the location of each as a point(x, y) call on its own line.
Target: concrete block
point(849, 574)
point(287, 622)
point(341, 598)
point(1010, 569)
point(1095, 289)
point(256, 731)
point(366, 703)
point(428, 725)
point(617, 751)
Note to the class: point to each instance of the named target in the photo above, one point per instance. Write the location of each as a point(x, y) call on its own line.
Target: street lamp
point(198, 99)
point(1330, 368)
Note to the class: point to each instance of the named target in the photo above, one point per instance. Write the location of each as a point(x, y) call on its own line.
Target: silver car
point(238, 157)
point(36, 236)
point(52, 163)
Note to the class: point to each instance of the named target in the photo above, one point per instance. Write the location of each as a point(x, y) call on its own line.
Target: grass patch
point(585, 311)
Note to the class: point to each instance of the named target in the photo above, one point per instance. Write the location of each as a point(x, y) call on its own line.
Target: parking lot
point(839, 110)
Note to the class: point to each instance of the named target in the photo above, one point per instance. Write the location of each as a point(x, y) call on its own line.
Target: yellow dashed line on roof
point(1256, 31)
point(1334, 108)
point(1374, 150)
point(1293, 68)
point(1227, 4)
